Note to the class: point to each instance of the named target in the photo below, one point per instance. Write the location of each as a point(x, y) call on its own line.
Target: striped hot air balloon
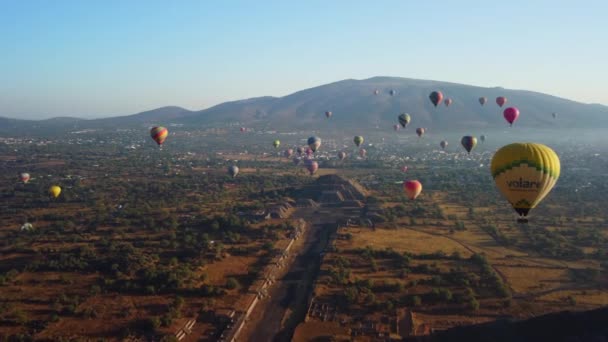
point(412, 188)
point(159, 134)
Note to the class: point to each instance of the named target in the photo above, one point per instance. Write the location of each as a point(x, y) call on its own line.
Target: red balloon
point(511, 114)
point(447, 102)
point(412, 188)
point(501, 100)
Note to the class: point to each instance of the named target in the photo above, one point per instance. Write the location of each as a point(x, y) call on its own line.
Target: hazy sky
point(92, 58)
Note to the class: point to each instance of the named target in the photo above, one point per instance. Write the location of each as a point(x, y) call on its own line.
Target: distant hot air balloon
point(396, 127)
point(443, 144)
point(328, 114)
point(525, 173)
point(420, 131)
point(362, 152)
point(243, 129)
point(501, 100)
point(483, 100)
point(376, 92)
point(554, 115)
point(482, 138)
point(392, 92)
point(276, 143)
point(436, 97)
point(54, 191)
point(233, 171)
point(511, 114)
point(404, 119)
point(300, 150)
point(288, 152)
point(341, 155)
point(314, 143)
point(412, 188)
point(309, 152)
point(447, 102)
point(468, 142)
point(358, 140)
point(159, 134)
point(25, 177)
point(296, 160)
point(312, 166)
point(404, 168)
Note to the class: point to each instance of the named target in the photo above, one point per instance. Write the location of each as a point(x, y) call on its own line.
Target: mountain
point(354, 104)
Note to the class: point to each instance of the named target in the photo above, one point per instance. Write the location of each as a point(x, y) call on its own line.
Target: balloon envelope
point(314, 143)
point(420, 131)
point(159, 134)
point(312, 166)
point(342, 155)
point(328, 114)
point(54, 191)
point(412, 188)
point(392, 92)
point(483, 100)
point(525, 173)
point(443, 144)
point(276, 143)
point(25, 177)
point(511, 114)
point(447, 102)
point(404, 119)
point(358, 140)
point(436, 97)
point(233, 171)
point(501, 100)
point(468, 142)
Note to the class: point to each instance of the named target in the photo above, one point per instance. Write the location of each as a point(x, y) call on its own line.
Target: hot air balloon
point(501, 100)
point(404, 119)
point(276, 143)
point(328, 114)
point(420, 131)
point(511, 114)
point(412, 188)
point(443, 144)
point(482, 138)
point(525, 173)
point(296, 160)
point(342, 155)
point(358, 140)
point(288, 152)
point(468, 142)
point(554, 115)
point(483, 100)
point(362, 152)
point(376, 92)
point(436, 97)
point(159, 134)
point(243, 129)
point(396, 127)
point(300, 150)
point(312, 166)
point(233, 171)
point(314, 143)
point(447, 102)
point(392, 92)
point(404, 168)
point(54, 191)
point(25, 177)
point(309, 152)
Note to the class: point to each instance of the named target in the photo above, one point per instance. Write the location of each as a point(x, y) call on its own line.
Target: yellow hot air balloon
point(525, 173)
point(54, 191)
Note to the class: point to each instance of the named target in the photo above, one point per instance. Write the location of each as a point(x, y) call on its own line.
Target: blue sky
point(98, 58)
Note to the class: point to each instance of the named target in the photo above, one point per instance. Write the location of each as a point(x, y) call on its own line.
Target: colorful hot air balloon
point(314, 143)
point(312, 166)
point(328, 114)
point(392, 92)
point(447, 102)
point(482, 138)
point(468, 142)
point(358, 140)
point(342, 155)
point(525, 173)
point(376, 92)
point(25, 177)
point(362, 152)
point(404, 119)
point(483, 100)
point(243, 129)
point(501, 100)
point(159, 134)
point(300, 150)
point(443, 144)
point(54, 191)
point(276, 143)
point(511, 114)
point(420, 131)
point(233, 171)
point(396, 127)
point(288, 152)
point(309, 152)
point(436, 97)
point(404, 168)
point(412, 188)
